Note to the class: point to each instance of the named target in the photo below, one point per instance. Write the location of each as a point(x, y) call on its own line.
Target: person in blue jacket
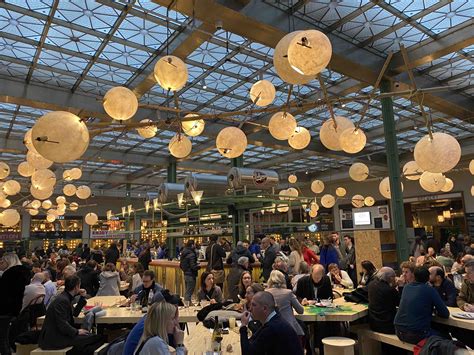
point(328, 253)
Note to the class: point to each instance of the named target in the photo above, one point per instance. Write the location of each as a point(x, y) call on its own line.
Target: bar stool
point(338, 346)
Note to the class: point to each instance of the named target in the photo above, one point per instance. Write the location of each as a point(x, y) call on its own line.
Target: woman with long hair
point(249, 293)
point(209, 291)
point(245, 281)
point(162, 320)
point(109, 280)
point(368, 272)
point(295, 258)
point(309, 255)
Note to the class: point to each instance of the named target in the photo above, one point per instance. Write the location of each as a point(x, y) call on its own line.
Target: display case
point(107, 231)
point(65, 230)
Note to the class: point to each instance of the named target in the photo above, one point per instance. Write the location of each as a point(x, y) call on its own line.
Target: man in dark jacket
point(275, 337)
point(233, 279)
point(314, 287)
point(190, 268)
point(383, 301)
point(443, 285)
point(58, 330)
point(242, 249)
point(112, 254)
point(214, 255)
point(89, 278)
point(268, 259)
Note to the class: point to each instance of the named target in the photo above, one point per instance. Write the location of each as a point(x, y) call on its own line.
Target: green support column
point(128, 200)
point(394, 174)
point(238, 162)
point(171, 178)
point(238, 219)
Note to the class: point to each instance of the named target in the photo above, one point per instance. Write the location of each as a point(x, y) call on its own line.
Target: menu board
point(470, 223)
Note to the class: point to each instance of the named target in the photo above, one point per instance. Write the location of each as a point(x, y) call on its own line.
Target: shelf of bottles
point(151, 230)
point(105, 232)
point(70, 243)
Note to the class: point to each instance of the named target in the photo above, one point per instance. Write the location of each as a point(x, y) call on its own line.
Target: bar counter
point(170, 276)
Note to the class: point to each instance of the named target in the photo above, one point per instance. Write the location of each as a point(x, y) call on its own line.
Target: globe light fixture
point(147, 131)
point(73, 206)
point(313, 206)
point(313, 213)
point(262, 93)
point(33, 212)
point(43, 179)
point(471, 167)
point(37, 161)
point(5, 203)
point(46, 204)
point(330, 135)
point(35, 204)
point(91, 218)
point(341, 192)
point(448, 186)
point(28, 141)
point(358, 201)
point(317, 186)
point(292, 178)
point(231, 142)
point(60, 200)
point(193, 128)
point(369, 201)
point(283, 208)
point(282, 125)
point(432, 182)
point(50, 217)
point(171, 73)
point(120, 103)
point(359, 171)
point(292, 193)
point(328, 201)
point(75, 173)
point(69, 190)
point(4, 170)
point(40, 194)
point(9, 218)
point(83, 192)
point(300, 138)
point(25, 169)
point(352, 140)
point(437, 155)
point(282, 194)
point(384, 188)
point(11, 187)
point(180, 146)
point(412, 171)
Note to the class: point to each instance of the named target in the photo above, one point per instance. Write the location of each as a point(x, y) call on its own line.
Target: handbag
point(219, 275)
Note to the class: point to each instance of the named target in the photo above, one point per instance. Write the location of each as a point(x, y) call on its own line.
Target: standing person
point(214, 255)
point(109, 281)
point(350, 258)
point(78, 250)
point(209, 290)
point(89, 278)
point(233, 279)
point(295, 258)
point(329, 254)
point(418, 248)
point(443, 286)
point(112, 254)
point(413, 319)
point(254, 248)
point(340, 249)
point(284, 247)
point(86, 252)
point(242, 249)
point(188, 263)
point(268, 259)
point(145, 257)
point(309, 255)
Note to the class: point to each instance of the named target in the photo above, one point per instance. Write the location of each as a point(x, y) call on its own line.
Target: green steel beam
point(171, 175)
point(238, 213)
point(394, 174)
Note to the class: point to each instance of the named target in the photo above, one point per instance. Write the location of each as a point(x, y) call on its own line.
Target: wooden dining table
point(455, 322)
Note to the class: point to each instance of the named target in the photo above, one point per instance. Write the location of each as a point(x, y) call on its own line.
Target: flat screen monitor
point(362, 218)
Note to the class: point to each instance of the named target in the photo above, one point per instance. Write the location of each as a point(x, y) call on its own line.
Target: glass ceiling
point(88, 47)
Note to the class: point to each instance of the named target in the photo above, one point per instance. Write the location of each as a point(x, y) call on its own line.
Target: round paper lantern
point(120, 103)
point(60, 136)
point(37, 161)
point(358, 201)
point(46, 204)
point(359, 172)
point(328, 201)
point(25, 169)
point(341, 192)
point(193, 128)
point(317, 186)
point(69, 190)
point(300, 138)
point(33, 212)
point(28, 141)
point(5, 203)
point(75, 173)
point(313, 213)
point(471, 167)
point(282, 125)
point(283, 208)
point(171, 73)
point(3, 196)
point(262, 93)
point(283, 67)
point(292, 178)
point(472, 190)
point(180, 146)
point(40, 194)
point(231, 142)
point(60, 212)
point(309, 52)
point(282, 194)
point(67, 175)
point(147, 131)
point(314, 207)
point(50, 217)
point(448, 186)
point(61, 207)
point(43, 179)
point(352, 140)
point(91, 218)
point(83, 192)
point(60, 200)
point(412, 171)
point(437, 155)
point(4, 170)
point(432, 182)
point(11, 187)
point(10, 217)
point(384, 188)
point(330, 135)
point(369, 201)
point(35, 204)
point(292, 192)
point(73, 206)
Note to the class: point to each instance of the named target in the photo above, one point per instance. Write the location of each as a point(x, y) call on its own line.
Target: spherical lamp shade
point(384, 188)
point(10, 217)
point(3, 196)
point(40, 194)
point(171, 73)
point(352, 140)
point(25, 169)
point(369, 201)
point(448, 186)
point(313, 214)
point(180, 146)
point(60, 200)
point(37, 161)
point(43, 179)
point(5, 203)
point(432, 182)
point(60, 212)
point(67, 175)
point(46, 204)
point(314, 206)
point(120, 103)
point(50, 217)
point(262, 93)
point(292, 178)
point(358, 201)
point(437, 155)
point(300, 138)
point(35, 204)
point(91, 218)
point(412, 171)
point(471, 167)
point(472, 190)
point(11, 187)
point(317, 186)
point(83, 192)
point(28, 141)
point(282, 125)
point(341, 192)
point(147, 131)
point(283, 67)
point(330, 135)
point(282, 194)
point(359, 171)
point(193, 128)
point(231, 142)
point(328, 201)
point(33, 212)
point(60, 136)
point(69, 190)
point(292, 192)
point(309, 52)
point(283, 208)
point(73, 206)
point(75, 173)
point(4, 170)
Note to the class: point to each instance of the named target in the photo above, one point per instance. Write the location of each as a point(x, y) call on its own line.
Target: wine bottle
point(216, 336)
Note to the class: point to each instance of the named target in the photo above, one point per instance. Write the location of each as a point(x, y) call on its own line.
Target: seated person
point(313, 287)
point(368, 273)
point(142, 292)
point(245, 281)
point(58, 329)
point(407, 276)
point(443, 286)
point(89, 278)
point(304, 271)
point(109, 281)
point(413, 319)
point(209, 291)
point(465, 300)
point(339, 278)
point(275, 336)
point(34, 290)
point(281, 265)
point(383, 301)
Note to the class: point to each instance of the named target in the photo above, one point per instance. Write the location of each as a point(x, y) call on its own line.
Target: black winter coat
point(217, 254)
point(305, 288)
point(188, 262)
point(12, 286)
point(112, 255)
point(383, 302)
point(89, 280)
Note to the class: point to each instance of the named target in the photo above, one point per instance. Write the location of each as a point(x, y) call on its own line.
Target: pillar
point(171, 178)
point(25, 229)
point(238, 214)
point(393, 163)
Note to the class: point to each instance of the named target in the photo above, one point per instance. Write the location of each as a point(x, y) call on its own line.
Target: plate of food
point(463, 315)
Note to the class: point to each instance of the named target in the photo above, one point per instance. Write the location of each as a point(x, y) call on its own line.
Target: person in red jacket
point(309, 256)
